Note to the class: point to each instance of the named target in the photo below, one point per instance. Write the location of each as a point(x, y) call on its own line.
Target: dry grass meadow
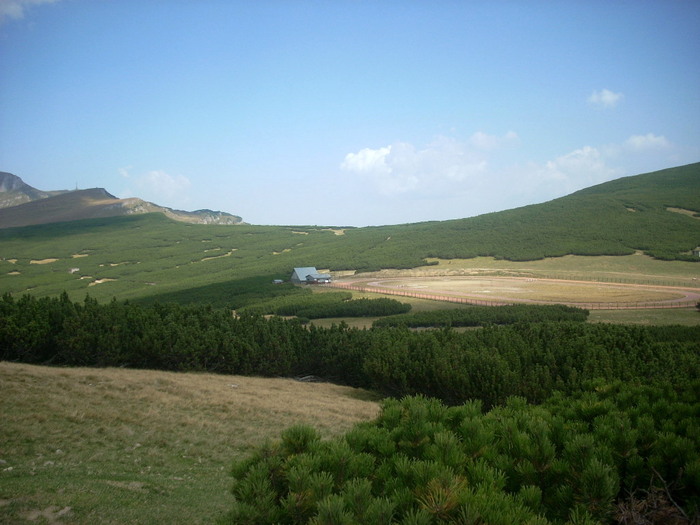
point(80, 445)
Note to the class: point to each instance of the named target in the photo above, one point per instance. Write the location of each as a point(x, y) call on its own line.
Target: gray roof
point(301, 274)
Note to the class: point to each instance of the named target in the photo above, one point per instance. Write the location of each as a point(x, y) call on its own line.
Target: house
point(696, 252)
point(309, 275)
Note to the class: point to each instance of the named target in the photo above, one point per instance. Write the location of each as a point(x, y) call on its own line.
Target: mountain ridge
point(14, 191)
point(24, 205)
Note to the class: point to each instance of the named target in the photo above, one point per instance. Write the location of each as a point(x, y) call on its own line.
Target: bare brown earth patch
point(100, 281)
point(336, 231)
point(227, 254)
point(682, 211)
point(51, 515)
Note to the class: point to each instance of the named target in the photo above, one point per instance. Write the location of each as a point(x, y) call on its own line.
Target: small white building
point(696, 252)
point(309, 275)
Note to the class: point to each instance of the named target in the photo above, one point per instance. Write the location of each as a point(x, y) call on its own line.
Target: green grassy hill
point(151, 256)
point(658, 213)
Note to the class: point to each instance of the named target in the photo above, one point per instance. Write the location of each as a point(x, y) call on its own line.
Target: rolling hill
point(23, 205)
point(151, 256)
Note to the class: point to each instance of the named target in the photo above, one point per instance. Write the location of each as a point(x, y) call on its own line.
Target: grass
point(115, 446)
point(660, 316)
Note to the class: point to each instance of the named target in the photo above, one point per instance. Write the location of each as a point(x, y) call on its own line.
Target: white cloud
point(647, 142)
point(388, 168)
point(578, 169)
point(15, 8)
point(484, 141)
point(160, 183)
point(367, 160)
point(157, 186)
point(605, 98)
point(439, 167)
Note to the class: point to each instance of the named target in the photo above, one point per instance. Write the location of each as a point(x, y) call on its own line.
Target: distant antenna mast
point(76, 186)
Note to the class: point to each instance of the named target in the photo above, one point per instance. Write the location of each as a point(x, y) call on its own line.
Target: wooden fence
point(484, 302)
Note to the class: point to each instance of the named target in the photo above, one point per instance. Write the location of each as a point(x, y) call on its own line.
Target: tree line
point(482, 315)
point(492, 363)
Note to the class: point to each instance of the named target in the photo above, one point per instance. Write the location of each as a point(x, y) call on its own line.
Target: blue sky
point(346, 112)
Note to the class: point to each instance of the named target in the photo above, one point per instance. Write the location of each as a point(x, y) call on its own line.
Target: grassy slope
point(614, 218)
point(151, 256)
point(133, 446)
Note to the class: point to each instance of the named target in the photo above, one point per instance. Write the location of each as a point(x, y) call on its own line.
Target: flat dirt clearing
point(510, 289)
point(634, 281)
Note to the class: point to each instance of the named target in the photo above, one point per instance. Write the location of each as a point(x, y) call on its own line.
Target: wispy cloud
point(578, 169)
point(15, 9)
point(158, 182)
point(605, 98)
point(157, 186)
point(402, 167)
point(124, 172)
point(484, 141)
point(647, 142)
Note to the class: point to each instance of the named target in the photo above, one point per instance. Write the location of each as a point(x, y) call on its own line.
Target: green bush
point(484, 315)
point(328, 305)
point(423, 462)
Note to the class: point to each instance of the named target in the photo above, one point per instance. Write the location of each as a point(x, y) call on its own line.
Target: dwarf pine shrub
point(577, 459)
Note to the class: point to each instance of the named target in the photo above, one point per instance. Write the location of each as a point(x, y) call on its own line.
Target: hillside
point(23, 205)
point(149, 255)
point(89, 445)
point(657, 213)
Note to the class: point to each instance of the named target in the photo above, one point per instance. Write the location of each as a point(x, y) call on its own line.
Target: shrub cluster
point(357, 308)
point(484, 315)
point(327, 305)
point(587, 458)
